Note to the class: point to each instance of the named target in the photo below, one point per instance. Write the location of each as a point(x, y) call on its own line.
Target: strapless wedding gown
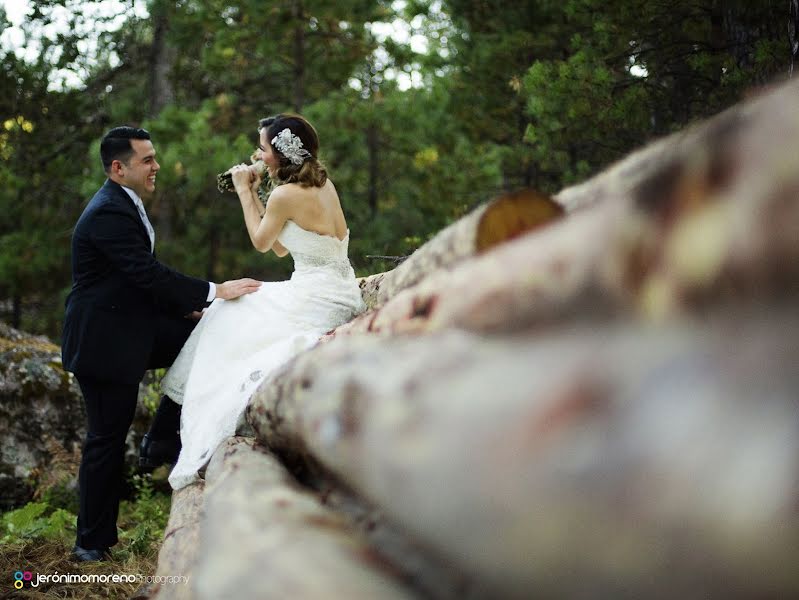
point(238, 343)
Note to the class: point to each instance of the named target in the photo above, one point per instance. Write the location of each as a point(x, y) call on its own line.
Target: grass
point(39, 536)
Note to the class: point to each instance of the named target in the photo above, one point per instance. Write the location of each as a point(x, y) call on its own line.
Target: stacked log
point(613, 462)
point(705, 228)
point(301, 548)
point(599, 403)
point(178, 550)
point(491, 224)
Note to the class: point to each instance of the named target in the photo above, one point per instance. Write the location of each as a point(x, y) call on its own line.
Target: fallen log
point(541, 277)
point(491, 224)
point(178, 553)
point(715, 221)
point(611, 462)
point(263, 536)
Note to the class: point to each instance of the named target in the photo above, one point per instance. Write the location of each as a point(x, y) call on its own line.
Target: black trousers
point(110, 407)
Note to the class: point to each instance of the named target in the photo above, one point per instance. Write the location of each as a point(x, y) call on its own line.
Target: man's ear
point(116, 167)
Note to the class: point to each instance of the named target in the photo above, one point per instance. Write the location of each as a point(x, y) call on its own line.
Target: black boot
point(83, 555)
point(161, 445)
point(154, 453)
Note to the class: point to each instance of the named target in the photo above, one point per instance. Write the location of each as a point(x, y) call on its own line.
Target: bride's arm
point(263, 230)
point(279, 249)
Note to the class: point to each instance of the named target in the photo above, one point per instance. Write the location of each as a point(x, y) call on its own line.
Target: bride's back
point(317, 209)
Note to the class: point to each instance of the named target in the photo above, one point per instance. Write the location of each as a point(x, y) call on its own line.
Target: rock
point(42, 420)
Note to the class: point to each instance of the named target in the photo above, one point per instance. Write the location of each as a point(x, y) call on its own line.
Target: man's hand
point(195, 315)
point(236, 287)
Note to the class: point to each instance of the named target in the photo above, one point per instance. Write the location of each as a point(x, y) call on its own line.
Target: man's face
point(139, 172)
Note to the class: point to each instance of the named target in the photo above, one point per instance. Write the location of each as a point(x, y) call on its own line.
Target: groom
point(126, 313)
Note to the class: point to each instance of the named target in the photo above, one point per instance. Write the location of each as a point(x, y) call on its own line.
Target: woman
point(238, 343)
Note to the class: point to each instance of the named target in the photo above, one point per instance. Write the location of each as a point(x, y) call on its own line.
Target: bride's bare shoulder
point(329, 187)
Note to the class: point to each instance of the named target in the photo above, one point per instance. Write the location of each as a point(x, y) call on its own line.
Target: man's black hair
point(116, 144)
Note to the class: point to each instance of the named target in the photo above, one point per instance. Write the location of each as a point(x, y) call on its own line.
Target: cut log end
point(513, 214)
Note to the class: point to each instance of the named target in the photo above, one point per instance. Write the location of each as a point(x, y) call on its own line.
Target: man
point(126, 313)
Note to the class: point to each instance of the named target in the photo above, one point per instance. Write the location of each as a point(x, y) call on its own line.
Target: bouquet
point(224, 181)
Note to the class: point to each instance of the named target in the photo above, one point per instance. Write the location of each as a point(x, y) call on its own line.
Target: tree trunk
point(491, 224)
point(599, 459)
point(299, 55)
point(793, 34)
point(373, 147)
point(213, 252)
point(16, 311)
point(162, 57)
point(265, 537)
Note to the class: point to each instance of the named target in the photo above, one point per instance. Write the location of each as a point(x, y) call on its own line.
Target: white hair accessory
point(290, 146)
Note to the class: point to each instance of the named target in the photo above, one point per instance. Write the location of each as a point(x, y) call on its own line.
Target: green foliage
point(151, 394)
point(633, 71)
point(143, 521)
point(63, 495)
point(36, 520)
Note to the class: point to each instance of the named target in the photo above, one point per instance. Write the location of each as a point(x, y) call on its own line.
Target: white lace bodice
point(311, 250)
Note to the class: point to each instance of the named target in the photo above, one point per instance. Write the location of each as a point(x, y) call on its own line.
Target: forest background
point(424, 109)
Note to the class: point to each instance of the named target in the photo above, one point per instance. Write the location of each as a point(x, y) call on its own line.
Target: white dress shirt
point(151, 232)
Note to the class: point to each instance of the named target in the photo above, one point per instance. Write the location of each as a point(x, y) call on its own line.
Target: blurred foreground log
point(487, 226)
point(178, 553)
point(592, 462)
point(265, 537)
point(716, 220)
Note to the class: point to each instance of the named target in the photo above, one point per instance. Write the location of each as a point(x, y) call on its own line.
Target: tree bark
point(265, 537)
point(793, 34)
point(495, 222)
point(162, 93)
point(299, 55)
point(373, 147)
point(213, 252)
point(595, 461)
point(178, 554)
point(162, 57)
point(542, 277)
point(16, 310)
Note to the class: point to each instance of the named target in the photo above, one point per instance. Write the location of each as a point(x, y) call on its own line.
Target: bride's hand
point(241, 175)
point(255, 181)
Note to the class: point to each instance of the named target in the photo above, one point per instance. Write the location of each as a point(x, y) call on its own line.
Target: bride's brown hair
point(311, 172)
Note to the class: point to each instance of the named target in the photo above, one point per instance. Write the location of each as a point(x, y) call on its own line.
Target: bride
point(239, 342)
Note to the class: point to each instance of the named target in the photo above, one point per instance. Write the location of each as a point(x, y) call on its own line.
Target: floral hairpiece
point(290, 146)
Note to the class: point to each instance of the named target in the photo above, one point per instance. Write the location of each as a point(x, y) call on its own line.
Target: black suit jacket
point(119, 292)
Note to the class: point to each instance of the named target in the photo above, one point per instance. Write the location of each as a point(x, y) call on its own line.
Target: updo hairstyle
point(311, 173)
